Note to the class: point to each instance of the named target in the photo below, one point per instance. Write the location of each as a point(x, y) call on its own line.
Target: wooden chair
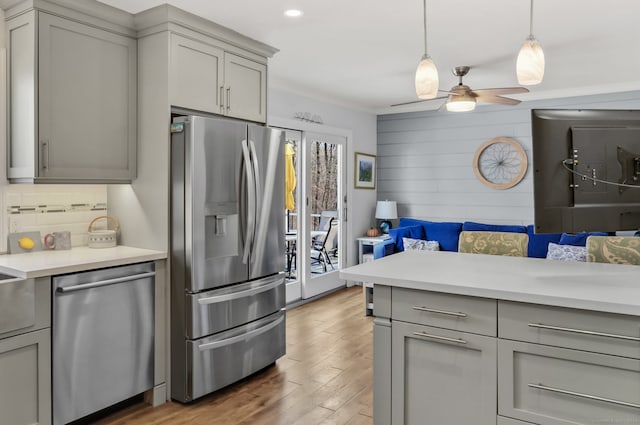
point(494, 243)
point(613, 249)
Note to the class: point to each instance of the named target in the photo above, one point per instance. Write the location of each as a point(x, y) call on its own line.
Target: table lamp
point(385, 211)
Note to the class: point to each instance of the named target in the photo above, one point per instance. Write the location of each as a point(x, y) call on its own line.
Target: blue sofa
point(447, 234)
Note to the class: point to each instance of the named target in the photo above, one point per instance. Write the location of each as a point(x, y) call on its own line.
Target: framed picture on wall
point(365, 168)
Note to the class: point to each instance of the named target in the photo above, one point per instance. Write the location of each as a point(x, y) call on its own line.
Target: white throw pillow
point(420, 245)
point(566, 252)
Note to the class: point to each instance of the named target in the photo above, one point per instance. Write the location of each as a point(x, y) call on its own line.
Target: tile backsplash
point(53, 208)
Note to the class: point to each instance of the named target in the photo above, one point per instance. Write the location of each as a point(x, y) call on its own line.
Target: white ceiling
point(363, 53)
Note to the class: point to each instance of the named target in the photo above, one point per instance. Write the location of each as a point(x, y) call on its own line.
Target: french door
point(314, 212)
point(323, 204)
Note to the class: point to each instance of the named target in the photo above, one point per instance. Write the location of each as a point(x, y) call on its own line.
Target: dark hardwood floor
point(325, 377)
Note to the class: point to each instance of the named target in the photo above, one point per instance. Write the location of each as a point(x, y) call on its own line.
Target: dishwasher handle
point(105, 282)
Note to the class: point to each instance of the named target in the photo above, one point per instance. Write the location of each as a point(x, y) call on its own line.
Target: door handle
point(241, 294)
point(228, 99)
point(256, 178)
point(104, 282)
point(221, 99)
point(44, 155)
point(242, 337)
point(445, 312)
point(583, 332)
point(582, 395)
point(440, 338)
point(251, 197)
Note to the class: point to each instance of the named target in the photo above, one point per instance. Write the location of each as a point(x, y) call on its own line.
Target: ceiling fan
point(461, 98)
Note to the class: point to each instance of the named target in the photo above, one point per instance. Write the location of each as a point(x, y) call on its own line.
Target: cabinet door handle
point(587, 396)
point(228, 99)
point(583, 332)
point(440, 338)
point(221, 99)
point(445, 312)
point(44, 155)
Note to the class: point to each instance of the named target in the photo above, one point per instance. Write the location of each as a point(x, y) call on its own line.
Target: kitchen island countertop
point(78, 259)
point(592, 286)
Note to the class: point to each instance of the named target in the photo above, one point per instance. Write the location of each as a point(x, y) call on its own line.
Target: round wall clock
point(500, 163)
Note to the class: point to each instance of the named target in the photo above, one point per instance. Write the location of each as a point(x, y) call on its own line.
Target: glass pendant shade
point(460, 103)
point(427, 79)
point(530, 63)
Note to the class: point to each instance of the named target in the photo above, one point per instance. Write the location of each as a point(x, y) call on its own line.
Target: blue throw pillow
point(446, 233)
point(539, 242)
point(578, 239)
point(413, 232)
point(470, 226)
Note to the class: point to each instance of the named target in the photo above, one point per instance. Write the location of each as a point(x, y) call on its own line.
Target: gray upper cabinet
point(72, 92)
point(207, 78)
point(197, 75)
point(245, 83)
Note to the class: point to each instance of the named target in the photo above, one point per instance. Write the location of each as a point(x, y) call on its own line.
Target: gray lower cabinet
point(25, 386)
point(205, 77)
point(553, 386)
point(441, 376)
point(560, 366)
point(72, 90)
point(25, 352)
point(437, 361)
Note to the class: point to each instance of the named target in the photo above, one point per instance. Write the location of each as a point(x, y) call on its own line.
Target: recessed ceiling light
point(293, 13)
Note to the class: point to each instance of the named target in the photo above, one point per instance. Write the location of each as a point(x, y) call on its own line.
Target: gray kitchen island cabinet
point(205, 77)
point(484, 339)
point(72, 90)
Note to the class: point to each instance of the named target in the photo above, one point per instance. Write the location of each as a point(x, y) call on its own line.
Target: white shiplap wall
point(425, 159)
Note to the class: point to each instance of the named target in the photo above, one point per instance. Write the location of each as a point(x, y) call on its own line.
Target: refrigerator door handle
point(238, 338)
point(241, 294)
point(256, 177)
point(251, 197)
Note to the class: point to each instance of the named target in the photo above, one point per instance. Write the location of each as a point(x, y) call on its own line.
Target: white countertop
point(592, 286)
point(46, 263)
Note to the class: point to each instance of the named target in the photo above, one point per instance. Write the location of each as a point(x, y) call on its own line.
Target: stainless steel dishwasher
point(103, 336)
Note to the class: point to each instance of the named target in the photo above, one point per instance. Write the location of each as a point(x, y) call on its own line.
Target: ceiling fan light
point(530, 63)
point(460, 103)
point(427, 79)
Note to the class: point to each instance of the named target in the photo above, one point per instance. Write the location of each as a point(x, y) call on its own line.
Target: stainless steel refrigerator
point(227, 252)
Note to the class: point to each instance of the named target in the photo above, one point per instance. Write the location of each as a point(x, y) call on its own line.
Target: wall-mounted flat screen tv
point(586, 170)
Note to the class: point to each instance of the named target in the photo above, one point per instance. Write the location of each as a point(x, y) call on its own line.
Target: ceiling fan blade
point(502, 90)
point(418, 101)
point(491, 98)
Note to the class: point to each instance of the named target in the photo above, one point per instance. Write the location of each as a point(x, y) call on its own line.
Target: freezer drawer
point(214, 311)
point(222, 359)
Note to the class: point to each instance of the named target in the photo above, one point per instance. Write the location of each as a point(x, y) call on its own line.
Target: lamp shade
point(530, 63)
point(427, 81)
point(386, 210)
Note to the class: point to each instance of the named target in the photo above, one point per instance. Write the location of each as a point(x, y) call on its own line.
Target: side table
point(365, 254)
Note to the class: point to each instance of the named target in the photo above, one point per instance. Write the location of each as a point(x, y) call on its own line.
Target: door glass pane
point(323, 206)
point(293, 179)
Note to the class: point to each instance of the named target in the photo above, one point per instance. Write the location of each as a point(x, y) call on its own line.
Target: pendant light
point(530, 63)
point(427, 73)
